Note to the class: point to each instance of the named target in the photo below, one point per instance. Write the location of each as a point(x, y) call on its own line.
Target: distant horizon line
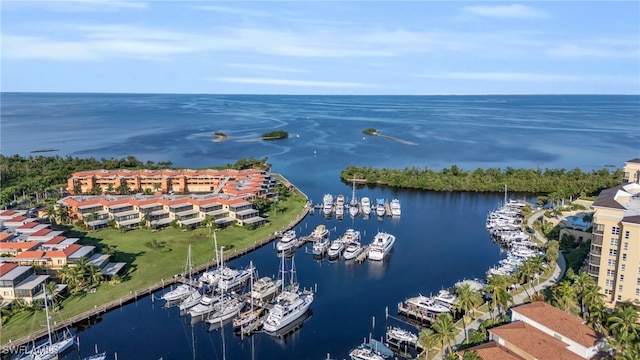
point(285, 94)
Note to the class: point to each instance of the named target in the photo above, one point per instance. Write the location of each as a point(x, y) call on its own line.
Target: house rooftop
point(534, 342)
point(559, 321)
point(494, 351)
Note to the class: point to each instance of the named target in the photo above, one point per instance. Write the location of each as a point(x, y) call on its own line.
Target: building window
point(619, 287)
point(609, 282)
point(622, 267)
point(638, 283)
point(621, 278)
point(614, 241)
point(626, 245)
point(624, 257)
point(615, 230)
point(611, 262)
point(611, 272)
point(619, 297)
point(607, 292)
point(637, 292)
point(626, 234)
point(613, 252)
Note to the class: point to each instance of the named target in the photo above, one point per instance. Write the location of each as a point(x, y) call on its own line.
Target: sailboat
point(50, 349)
point(183, 290)
point(227, 307)
point(249, 317)
point(353, 204)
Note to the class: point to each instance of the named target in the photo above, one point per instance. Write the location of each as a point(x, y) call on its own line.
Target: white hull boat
point(365, 204)
point(327, 204)
point(288, 241)
point(289, 307)
point(395, 207)
point(336, 249)
point(352, 250)
point(380, 209)
point(225, 310)
point(381, 246)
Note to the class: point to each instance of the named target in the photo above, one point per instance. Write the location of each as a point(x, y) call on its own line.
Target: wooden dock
point(411, 313)
point(363, 255)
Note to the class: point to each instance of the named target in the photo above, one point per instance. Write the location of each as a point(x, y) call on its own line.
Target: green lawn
point(147, 266)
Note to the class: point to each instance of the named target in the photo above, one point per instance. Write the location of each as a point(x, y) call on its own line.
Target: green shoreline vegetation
point(219, 136)
point(275, 135)
point(556, 183)
point(151, 255)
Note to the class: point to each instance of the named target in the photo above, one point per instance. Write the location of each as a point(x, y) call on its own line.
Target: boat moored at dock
point(380, 209)
point(288, 241)
point(381, 246)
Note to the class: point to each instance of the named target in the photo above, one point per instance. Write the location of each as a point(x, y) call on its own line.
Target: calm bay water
point(440, 236)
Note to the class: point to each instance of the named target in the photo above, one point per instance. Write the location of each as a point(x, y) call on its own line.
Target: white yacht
point(206, 306)
point(232, 278)
point(426, 305)
point(364, 353)
point(225, 310)
point(381, 246)
point(336, 249)
point(445, 298)
point(365, 204)
point(327, 204)
point(320, 232)
point(352, 250)
point(265, 288)
point(402, 335)
point(288, 241)
point(180, 292)
point(340, 205)
point(350, 235)
point(320, 247)
point(380, 209)
point(288, 307)
point(194, 298)
point(395, 207)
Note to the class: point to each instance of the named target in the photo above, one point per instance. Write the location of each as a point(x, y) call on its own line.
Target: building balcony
point(597, 240)
point(594, 260)
point(595, 250)
point(594, 271)
point(598, 229)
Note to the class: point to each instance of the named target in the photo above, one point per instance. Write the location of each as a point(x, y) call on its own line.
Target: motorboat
point(352, 250)
point(426, 305)
point(381, 246)
point(320, 247)
point(226, 309)
point(349, 236)
point(365, 204)
point(327, 204)
point(232, 278)
point(206, 306)
point(320, 232)
point(364, 353)
point(380, 209)
point(340, 205)
point(402, 335)
point(395, 207)
point(336, 249)
point(180, 292)
point(194, 298)
point(445, 298)
point(288, 241)
point(265, 288)
point(289, 306)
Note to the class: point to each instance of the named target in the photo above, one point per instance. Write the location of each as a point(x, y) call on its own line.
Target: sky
point(321, 47)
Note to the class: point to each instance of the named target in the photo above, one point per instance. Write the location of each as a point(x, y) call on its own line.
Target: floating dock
point(363, 255)
point(412, 313)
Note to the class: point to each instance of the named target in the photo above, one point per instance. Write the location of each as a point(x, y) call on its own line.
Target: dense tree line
point(557, 183)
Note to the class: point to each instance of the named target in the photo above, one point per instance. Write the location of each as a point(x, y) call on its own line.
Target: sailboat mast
point(46, 309)
point(505, 194)
point(282, 271)
point(293, 271)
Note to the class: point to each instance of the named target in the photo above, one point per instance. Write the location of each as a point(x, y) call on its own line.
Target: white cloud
point(71, 6)
point(598, 48)
point(262, 67)
point(233, 10)
point(504, 11)
point(521, 77)
point(290, 82)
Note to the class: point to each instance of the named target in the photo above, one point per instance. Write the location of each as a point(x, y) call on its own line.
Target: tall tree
point(467, 300)
point(444, 331)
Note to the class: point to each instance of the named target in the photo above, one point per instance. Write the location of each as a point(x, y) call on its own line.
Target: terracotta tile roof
point(493, 351)
point(559, 321)
point(41, 232)
point(29, 225)
point(22, 245)
point(5, 236)
point(534, 342)
point(6, 267)
point(16, 219)
point(34, 254)
point(8, 212)
point(65, 252)
point(55, 240)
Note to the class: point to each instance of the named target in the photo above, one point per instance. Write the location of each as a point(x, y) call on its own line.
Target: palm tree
point(553, 247)
point(523, 274)
point(426, 340)
point(581, 282)
point(5, 313)
point(63, 214)
point(497, 287)
point(97, 190)
point(467, 300)
point(477, 336)
point(94, 274)
point(598, 314)
point(444, 331)
point(564, 296)
point(537, 266)
point(77, 188)
point(471, 355)
point(51, 288)
point(51, 214)
point(622, 324)
point(156, 186)
point(110, 188)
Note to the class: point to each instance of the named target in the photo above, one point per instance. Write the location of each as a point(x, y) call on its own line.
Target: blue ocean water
point(441, 237)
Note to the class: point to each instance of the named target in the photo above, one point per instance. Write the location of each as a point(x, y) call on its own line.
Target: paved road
point(519, 299)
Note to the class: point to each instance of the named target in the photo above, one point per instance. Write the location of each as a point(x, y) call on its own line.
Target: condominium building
point(242, 183)
point(614, 257)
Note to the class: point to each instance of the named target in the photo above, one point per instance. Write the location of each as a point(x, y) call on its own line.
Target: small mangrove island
point(370, 131)
point(219, 136)
point(275, 135)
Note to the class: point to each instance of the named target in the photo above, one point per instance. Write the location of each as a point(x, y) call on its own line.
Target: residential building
point(540, 331)
point(631, 171)
point(20, 282)
point(249, 182)
point(614, 257)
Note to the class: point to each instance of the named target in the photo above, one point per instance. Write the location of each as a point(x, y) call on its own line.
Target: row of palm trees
point(81, 275)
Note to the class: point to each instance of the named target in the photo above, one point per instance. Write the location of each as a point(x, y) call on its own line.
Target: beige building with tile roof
point(614, 257)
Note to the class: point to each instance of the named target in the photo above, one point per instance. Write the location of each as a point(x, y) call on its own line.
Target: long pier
point(134, 295)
